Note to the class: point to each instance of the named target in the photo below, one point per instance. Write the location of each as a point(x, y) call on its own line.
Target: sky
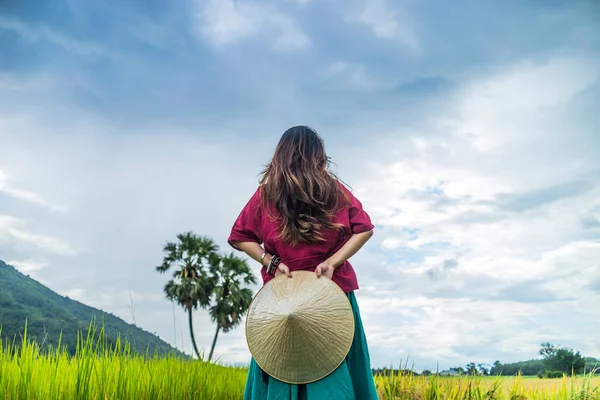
point(468, 133)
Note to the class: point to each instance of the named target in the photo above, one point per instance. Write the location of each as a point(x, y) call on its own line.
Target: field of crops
point(99, 373)
point(408, 386)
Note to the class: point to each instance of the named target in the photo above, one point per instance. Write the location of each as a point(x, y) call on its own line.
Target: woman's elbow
point(368, 234)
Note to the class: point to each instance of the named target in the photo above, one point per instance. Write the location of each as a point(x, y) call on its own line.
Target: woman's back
point(260, 222)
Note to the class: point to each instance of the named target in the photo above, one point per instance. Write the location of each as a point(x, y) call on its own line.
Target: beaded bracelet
point(271, 267)
point(273, 264)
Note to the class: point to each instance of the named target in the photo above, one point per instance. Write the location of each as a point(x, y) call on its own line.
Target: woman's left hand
point(325, 269)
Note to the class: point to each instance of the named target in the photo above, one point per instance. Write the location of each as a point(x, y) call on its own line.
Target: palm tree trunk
point(192, 332)
point(212, 348)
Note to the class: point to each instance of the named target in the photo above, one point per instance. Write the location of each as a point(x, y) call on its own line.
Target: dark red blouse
point(256, 225)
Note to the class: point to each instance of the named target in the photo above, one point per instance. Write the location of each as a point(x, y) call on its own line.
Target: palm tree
point(191, 286)
point(232, 298)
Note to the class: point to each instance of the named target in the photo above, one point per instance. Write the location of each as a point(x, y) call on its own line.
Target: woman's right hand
point(283, 269)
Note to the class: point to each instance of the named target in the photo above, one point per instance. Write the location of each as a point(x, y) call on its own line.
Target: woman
point(307, 220)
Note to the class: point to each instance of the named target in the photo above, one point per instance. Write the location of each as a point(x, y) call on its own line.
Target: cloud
point(461, 319)
point(12, 230)
point(497, 225)
point(439, 271)
point(41, 33)
point(591, 219)
point(6, 222)
point(520, 202)
point(25, 195)
point(229, 21)
point(353, 76)
point(512, 107)
point(28, 266)
point(388, 23)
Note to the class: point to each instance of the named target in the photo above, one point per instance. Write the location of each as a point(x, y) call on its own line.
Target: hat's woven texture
point(299, 329)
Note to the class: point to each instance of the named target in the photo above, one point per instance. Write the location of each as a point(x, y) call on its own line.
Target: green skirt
point(352, 380)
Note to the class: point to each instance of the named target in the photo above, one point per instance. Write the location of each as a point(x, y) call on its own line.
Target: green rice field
point(96, 372)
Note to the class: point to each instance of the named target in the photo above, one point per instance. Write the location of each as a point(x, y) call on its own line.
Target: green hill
point(24, 300)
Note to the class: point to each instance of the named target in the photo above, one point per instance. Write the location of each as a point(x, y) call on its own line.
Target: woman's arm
point(255, 251)
point(350, 248)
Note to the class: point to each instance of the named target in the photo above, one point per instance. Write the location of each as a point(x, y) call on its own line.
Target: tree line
point(555, 361)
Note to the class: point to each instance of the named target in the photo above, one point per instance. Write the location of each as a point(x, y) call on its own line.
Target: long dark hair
point(298, 184)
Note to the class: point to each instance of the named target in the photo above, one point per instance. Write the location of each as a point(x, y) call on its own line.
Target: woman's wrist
point(273, 265)
point(262, 258)
point(332, 263)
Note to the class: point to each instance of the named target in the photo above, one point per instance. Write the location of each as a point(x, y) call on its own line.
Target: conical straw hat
point(299, 329)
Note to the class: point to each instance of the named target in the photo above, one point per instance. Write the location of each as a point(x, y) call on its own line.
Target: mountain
point(24, 300)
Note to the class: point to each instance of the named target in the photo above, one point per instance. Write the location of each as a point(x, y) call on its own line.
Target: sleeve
point(247, 226)
point(360, 221)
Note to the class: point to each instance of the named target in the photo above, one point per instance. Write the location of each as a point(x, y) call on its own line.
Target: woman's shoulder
point(259, 199)
point(257, 195)
point(345, 189)
point(347, 199)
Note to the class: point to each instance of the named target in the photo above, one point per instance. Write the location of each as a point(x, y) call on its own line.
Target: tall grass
point(101, 372)
point(98, 371)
